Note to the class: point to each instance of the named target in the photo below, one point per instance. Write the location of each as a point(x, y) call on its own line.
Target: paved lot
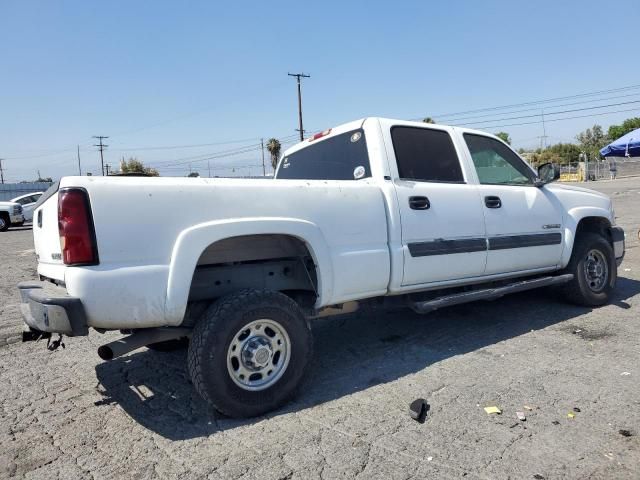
point(66, 414)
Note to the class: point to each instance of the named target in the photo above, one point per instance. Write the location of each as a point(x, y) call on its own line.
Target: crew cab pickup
point(376, 210)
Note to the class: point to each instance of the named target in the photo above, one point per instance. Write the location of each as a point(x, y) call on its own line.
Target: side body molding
point(191, 243)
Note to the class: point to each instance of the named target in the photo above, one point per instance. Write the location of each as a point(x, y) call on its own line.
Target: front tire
point(4, 223)
point(594, 270)
point(249, 352)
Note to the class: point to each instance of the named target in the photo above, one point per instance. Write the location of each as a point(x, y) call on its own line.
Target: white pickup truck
point(10, 215)
point(376, 210)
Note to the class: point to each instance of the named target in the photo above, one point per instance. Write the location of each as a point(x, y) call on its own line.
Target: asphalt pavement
point(574, 372)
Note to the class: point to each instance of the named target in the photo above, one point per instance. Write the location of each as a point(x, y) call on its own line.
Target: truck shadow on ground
point(351, 354)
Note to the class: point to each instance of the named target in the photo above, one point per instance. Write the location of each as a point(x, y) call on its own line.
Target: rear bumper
point(49, 308)
point(617, 238)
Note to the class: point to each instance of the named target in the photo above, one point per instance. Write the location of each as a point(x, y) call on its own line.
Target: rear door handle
point(419, 203)
point(492, 202)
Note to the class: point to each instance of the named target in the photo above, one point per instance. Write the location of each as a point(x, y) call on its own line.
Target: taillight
point(75, 224)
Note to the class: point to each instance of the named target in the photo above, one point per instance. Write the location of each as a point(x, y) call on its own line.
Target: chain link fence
point(600, 170)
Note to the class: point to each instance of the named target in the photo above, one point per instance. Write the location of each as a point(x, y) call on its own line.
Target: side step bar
point(487, 293)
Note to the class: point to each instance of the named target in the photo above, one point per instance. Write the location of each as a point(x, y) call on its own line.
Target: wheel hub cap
point(596, 270)
point(258, 354)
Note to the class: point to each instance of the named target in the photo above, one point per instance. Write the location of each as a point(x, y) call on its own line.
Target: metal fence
point(599, 170)
point(13, 190)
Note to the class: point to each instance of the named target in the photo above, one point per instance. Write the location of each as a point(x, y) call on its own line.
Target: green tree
point(274, 147)
point(504, 136)
point(592, 140)
point(428, 120)
point(133, 165)
point(617, 131)
point(560, 153)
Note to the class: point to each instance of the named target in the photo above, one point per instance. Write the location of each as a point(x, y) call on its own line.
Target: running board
point(487, 293)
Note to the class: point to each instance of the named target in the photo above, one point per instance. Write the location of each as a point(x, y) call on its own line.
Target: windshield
point(343, 157)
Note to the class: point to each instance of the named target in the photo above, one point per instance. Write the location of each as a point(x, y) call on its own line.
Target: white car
point(28, 202)
point(375, 211)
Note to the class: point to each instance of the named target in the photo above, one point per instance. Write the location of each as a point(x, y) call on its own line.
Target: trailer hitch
point(53, 346)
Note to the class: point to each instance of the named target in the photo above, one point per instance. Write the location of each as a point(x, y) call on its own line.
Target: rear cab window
point(341, 157)
point(425, 154)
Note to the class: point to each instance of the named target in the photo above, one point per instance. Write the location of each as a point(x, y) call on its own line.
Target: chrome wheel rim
point(3, 222)
point(258, 354)
point(596, 270)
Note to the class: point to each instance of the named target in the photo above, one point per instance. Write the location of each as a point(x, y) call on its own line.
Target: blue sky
point(155, 73)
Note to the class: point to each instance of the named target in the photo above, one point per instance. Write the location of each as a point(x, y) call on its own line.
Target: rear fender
point(194, 240)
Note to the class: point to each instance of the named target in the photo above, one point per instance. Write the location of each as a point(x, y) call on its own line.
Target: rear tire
point(594, 270)
point(249, 352)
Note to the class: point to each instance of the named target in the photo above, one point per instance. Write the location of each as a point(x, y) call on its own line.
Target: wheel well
point(270, 261)
point(599, 225)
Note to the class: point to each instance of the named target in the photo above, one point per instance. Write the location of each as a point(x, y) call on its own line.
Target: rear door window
point(426, 155)
point(343, 157)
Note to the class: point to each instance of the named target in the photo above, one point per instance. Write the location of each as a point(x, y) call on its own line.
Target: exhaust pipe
point(140, 339)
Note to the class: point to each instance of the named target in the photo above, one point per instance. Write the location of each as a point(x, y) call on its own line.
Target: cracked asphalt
point(66, 414)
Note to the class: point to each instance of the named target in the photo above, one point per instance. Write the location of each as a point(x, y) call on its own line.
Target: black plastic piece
point(418, 410)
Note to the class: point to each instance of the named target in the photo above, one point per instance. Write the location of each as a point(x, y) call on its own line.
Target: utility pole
point(79, 167)
point(107, 167)
point(1, 171)
point(101, 146)
point(543, 138)
point(264, 171)
point(298, 77)
point(209, 168)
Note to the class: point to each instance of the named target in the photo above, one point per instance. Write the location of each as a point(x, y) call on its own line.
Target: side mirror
point(548, 172)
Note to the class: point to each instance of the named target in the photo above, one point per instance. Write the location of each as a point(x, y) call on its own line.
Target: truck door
point(443, 232)
point(523, 222)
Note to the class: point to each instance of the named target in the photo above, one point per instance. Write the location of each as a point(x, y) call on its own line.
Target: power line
point(536, 102)
point(564, 118)
point(552, 106)
point(551, 113)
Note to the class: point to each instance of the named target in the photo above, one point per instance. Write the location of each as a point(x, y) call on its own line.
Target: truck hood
point(8, 204)
point(557, 187)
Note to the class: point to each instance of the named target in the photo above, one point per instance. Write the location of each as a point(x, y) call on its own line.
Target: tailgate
point(46, 238)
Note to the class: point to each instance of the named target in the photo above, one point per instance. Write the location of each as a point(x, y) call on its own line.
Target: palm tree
point(274, 146)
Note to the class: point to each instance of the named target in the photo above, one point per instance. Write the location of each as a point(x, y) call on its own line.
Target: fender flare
point(193, 241)
point(573, 218)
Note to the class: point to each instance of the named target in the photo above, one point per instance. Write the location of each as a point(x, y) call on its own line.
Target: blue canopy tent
point(626, 146)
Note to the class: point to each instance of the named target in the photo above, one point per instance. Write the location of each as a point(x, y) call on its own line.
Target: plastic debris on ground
point(418, 410)
point(571, 415)
point(521, 416)
point(492, 410)
point(624, 374)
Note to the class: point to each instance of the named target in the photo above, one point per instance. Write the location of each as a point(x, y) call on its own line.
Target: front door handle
point(492, 201)
point(419, 203)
